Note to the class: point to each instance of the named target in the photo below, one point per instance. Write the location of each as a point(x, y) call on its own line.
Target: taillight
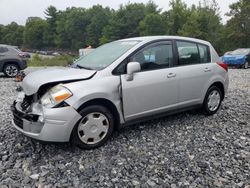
point(223, 65)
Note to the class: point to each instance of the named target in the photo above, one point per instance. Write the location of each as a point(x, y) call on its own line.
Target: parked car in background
point(117, 84)
point(239, 58)
point(56, 54)
point(228, 53)
point(12, 60)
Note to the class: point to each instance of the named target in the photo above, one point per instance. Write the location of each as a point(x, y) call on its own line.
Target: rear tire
point(212, 100)
point(94, 128)
point(11, 70)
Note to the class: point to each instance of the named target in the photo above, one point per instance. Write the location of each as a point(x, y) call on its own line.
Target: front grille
point(26, 102)
point(18, 121)
point(19, 116)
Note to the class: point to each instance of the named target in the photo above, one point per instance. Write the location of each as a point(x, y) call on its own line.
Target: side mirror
point(132, 68)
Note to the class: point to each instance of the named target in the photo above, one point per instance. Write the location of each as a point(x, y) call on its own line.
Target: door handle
point(171, 75)
point(207, 69)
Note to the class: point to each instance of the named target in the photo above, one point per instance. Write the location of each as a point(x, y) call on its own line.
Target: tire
point(90, 135)
point(11, 70)
point(212, 100)
point(245, 66)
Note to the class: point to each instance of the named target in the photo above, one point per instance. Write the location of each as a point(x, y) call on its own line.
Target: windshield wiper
point(82, 67)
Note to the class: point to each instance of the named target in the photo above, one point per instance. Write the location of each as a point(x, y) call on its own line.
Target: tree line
point(76, 28)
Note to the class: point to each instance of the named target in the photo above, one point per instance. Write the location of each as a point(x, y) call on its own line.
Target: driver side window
point(154, 57)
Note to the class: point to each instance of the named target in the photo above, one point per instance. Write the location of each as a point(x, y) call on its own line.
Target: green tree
point(238, 27)
point(12, 34)
point(99, 18)
point(75, 28)
point(1, 33)
point(50, 33)
point(176, 17)
point(204, 23)
point(124, 22)
point(71, 28)
point(34, 32)
point(152, 24)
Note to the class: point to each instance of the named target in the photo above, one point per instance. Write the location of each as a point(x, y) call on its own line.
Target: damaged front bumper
point(52, 125)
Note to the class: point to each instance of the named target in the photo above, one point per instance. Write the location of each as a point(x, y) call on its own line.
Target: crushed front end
point(53, 124)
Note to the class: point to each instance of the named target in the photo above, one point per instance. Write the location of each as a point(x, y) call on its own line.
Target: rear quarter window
point(204, 53)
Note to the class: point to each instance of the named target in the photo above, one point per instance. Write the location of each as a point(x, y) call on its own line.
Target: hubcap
point(93, 128)
point(11, 70)
point(213, 100)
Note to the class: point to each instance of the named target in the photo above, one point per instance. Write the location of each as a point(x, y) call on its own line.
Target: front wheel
point(94, 128)
point(246, 64)
point(212, 100)
point(11, 70)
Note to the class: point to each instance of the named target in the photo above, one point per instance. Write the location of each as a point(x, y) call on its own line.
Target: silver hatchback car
point(117, 84)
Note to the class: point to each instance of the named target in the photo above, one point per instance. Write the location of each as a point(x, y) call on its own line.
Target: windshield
point(240, 52)
point(105, 55)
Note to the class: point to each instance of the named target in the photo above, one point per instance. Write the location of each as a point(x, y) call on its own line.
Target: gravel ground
point(184, 150)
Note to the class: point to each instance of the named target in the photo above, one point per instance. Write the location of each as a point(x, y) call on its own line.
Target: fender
point(99, 88)
point(12, 60)
point(212, 80)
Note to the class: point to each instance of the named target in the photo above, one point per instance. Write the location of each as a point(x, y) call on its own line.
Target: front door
point(155, 88)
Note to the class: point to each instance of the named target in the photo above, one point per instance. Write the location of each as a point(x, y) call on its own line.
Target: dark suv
point(12, 60)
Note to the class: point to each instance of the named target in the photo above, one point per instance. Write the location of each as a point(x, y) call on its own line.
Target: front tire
point(94, 128)
point(212, 100)
point(11, 70)
point(246, 64)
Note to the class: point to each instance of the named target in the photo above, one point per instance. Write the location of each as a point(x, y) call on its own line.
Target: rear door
point(155, 88)
point(195, 70)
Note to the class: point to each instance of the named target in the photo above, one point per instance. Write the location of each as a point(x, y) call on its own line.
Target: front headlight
point(55, 96)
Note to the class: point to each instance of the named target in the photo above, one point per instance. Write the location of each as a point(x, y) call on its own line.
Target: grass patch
point(38, 61)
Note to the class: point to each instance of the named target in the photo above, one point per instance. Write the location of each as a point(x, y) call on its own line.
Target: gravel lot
point(184, 150)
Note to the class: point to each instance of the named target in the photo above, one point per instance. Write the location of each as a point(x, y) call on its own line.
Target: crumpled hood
point(33, 81)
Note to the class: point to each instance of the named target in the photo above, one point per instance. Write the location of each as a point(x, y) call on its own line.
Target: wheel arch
point(10, 62)
point(220, 86)
point(106, 103)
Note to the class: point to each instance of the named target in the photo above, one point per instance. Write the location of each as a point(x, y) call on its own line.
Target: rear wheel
point(246, 64)
point(212, 100)
point(94, 128)
point(11, 70)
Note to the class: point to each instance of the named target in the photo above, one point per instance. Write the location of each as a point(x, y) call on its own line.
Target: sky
point(19, 10)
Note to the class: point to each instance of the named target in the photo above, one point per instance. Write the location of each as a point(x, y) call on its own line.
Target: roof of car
point(152, 38)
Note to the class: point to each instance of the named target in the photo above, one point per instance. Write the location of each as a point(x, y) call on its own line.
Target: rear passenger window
point(192, 53)
point(188, 53)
